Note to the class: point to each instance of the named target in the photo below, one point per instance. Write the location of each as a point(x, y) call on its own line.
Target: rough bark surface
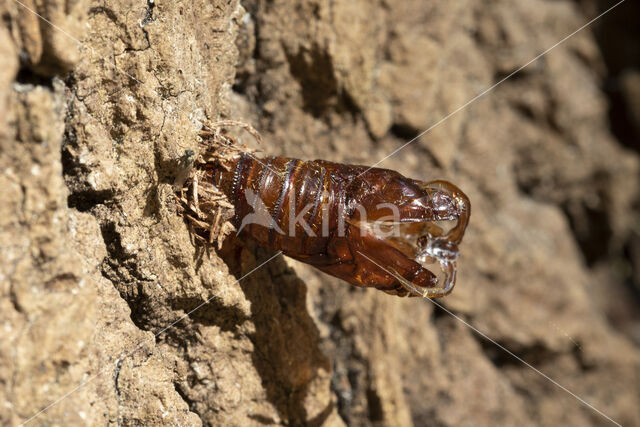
point(97, 268)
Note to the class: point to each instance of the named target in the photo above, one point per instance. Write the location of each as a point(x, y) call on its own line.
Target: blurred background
point(617, 39)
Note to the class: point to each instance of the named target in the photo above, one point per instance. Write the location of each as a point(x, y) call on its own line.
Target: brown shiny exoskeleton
point(371, 227)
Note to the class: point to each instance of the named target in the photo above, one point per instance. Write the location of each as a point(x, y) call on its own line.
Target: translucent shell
point(430, 240)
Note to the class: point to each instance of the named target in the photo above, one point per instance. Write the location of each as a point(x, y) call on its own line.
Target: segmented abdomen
point(303, 199)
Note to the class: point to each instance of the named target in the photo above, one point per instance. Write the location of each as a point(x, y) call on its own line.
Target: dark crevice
point(631, 251)
point(593, 232)
point(70, 166)
point(313, 69)
point(404, 132)
point(84, 201)
point(139, 304)
point(407, 134)
point(512, 75)
point(374, 404)
point(262, 419)
point(109, 13)
point(13, 298)
point(578, 354)
point(524, 110)
point(617, 36)
point(622, 125)
point(26, 76)
point(209, 312)
point(80, 197)
point(321, 418)
point(183, 396)
point(439, 313)
point(116, 377)
point(113, 241)
point(535, 354)
point(121, 267)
